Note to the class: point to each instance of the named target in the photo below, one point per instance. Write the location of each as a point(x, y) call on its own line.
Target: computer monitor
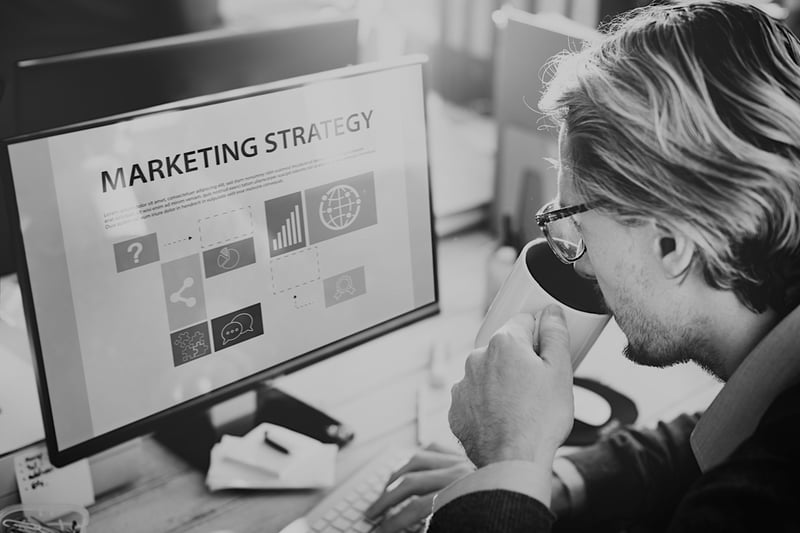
point(72, 88)
point(177, 256)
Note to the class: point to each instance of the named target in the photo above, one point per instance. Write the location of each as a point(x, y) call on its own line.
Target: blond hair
point(690, 114)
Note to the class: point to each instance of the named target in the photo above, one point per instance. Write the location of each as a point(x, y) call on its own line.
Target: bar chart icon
point(290, 231)
point(285, 224)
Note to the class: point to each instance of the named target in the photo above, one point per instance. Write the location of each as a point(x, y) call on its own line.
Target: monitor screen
point(70, 88)
point(176, 256)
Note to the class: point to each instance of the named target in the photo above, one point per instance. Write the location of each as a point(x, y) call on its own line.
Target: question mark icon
point(136, 249)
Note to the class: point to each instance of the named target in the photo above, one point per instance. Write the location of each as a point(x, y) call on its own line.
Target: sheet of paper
point(252, 451)
point(226, 474)
point(39, 482)
point(247, 463)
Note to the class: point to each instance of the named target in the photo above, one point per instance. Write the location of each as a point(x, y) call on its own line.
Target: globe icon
point(339, 207)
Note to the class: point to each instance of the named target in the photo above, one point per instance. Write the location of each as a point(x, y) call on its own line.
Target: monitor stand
point(191, 437)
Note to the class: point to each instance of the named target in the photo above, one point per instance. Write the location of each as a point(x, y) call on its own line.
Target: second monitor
point(66, 89)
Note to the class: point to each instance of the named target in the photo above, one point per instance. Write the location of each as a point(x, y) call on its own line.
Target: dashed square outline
point(232, 238)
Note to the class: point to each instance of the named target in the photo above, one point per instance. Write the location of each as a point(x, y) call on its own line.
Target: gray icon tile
point(341, 207)
point(134, 253)
point(229, 257)
point(190, 343)
point(285, 224)
point(236, 327)
point(183, 291)
point(344, 286)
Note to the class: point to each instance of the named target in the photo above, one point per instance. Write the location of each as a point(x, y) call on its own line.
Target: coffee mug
point(537, 279)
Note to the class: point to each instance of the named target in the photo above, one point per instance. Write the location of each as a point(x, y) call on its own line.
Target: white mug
point(538, 279)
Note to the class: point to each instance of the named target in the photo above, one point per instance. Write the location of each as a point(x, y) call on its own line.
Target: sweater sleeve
point(636, 475)
point(492, 511)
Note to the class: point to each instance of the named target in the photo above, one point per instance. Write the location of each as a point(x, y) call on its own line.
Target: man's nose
point(583, 267)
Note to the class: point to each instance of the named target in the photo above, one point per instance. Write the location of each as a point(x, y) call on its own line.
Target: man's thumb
point(554, 337)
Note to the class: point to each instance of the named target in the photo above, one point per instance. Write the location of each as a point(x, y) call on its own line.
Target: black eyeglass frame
point(543, 218)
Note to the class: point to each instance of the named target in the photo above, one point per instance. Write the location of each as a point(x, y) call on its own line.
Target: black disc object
point(623, 411)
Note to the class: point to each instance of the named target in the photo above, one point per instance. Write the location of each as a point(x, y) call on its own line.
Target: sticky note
point(39, 482)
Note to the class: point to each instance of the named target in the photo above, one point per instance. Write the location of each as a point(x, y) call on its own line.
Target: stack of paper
point(249, 463)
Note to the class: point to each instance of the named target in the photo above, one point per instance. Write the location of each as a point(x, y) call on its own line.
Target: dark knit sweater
point(648, 480)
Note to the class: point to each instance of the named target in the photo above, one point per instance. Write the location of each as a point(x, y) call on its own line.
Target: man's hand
point(514, 403)
point(413, 486)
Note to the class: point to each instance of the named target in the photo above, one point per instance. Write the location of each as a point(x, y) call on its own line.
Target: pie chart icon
point(228, 258)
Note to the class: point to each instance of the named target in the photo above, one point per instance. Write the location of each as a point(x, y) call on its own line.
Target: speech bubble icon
point(230, 332)
point(246, 321)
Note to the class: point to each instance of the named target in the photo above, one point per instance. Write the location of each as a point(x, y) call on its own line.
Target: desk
point(374, 390)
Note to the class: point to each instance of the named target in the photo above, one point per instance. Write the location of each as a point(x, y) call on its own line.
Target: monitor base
point(191, 437)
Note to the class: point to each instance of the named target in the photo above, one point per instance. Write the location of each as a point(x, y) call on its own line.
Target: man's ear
point(673, 249)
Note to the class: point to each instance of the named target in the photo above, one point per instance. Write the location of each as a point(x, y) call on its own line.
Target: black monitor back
point(81, 86)
point(86, 85)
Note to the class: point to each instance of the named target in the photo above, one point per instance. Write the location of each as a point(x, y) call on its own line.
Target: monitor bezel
point(60, 457)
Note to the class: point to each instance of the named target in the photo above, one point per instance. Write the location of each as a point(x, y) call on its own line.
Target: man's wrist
point(531, 479)
point(540, 455)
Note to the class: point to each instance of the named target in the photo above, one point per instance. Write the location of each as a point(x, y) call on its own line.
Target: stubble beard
point(653, 343)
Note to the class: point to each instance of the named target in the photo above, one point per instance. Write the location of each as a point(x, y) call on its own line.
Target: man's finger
point(554, 337)
point(472, 363)
point(412, 484)
point(454, 417)
point(521, 326)
point(425, 460)
point(416, 511)
point(441, 448)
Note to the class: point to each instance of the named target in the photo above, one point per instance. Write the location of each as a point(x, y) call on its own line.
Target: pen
point(274, 445)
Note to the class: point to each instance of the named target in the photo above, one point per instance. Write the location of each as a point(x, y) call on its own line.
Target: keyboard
point(342, 510)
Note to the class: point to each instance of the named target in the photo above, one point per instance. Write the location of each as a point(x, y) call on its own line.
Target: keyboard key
point(341, 524)
point(361, 505)
point(319, 525)
point(351, 514)
point(370, 495)
point(341, 506)
point(362, 527)
point(331, 515)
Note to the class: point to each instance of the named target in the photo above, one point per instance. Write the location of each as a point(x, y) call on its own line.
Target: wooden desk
point(372, 387)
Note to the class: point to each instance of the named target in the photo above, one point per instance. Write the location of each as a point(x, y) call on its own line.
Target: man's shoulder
point(779, 428)
point(758, 484)
point(776, 438)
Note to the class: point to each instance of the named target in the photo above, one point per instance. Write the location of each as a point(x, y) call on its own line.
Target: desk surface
point(374, 388)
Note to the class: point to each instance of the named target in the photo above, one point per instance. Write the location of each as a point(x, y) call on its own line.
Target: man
point(679, 193)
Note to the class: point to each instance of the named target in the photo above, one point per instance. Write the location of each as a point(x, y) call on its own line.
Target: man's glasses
point(561, 230)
